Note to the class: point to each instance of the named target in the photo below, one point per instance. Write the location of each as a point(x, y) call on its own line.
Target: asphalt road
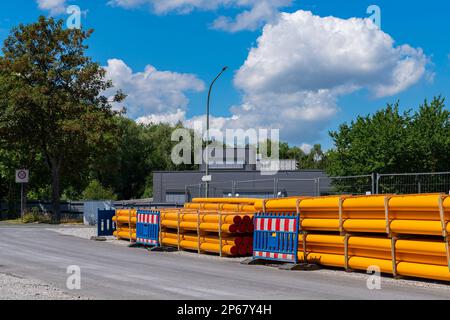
point(111, 271)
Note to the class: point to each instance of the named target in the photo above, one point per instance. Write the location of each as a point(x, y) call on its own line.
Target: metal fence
point(355, 185)
point(258, 188)
point(215, 190)
point(412, 183)
point(194, 191)
point(220, 189)
point(289, 187)
point(406, 183)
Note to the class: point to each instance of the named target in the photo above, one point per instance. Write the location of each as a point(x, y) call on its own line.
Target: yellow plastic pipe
point(415, 227)
point(123, 219)
point(379, 254)
point(124, 235)
point(226, 200)
point(211, 227)
point(418, 251)
point(418, 227)
point(212, 218)
point(126, 212)
point(360, 263)
point(290, 204)
point(411, 207)
point(220, 206)
point(284, 204)
point(416, 246)
point(320, 224)
point(207, 247)
point(427, 202)
point(209, 238)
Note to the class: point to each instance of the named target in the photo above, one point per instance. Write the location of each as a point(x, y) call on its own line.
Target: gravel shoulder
point(85, 233)
point(13, 287)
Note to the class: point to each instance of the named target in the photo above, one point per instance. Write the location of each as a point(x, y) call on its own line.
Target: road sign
point(207, 178)
point(22, 176)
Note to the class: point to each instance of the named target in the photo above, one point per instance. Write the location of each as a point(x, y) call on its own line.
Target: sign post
point(22, 177)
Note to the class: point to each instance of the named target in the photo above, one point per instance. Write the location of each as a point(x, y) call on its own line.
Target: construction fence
point(406, 183)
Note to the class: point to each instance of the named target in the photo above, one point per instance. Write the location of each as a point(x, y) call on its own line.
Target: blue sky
point(293, 81)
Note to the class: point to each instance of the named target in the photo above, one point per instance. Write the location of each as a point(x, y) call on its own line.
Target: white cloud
point(219, 123)
point(306, 148)
point(291, 80)
point(260, 12)
point(152, 91)
point(255, 14)
point(168, 118)
point(303, 52)
point(303, 63)
point(54, 6)
point(166, 6)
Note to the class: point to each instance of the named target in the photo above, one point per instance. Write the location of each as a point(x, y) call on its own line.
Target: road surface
point(111, 271)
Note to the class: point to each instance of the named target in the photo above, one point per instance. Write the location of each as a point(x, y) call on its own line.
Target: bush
point(95, 191)
point(35, 216)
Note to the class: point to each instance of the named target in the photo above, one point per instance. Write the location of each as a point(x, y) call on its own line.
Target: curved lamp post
point(207, 128)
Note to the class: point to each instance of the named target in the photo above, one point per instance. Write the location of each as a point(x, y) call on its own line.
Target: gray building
point(238, 172)
point(181, 186)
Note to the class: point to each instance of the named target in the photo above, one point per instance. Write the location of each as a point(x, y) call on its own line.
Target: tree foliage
point(315, 159)
point(95, 191)
point(51, 103)
point(393, 142)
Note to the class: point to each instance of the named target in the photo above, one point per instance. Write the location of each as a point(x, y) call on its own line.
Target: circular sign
point(22, 175)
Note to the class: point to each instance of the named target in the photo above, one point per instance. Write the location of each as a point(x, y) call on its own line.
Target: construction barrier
point(276, 237)
point(105, 223)
point(147, 227)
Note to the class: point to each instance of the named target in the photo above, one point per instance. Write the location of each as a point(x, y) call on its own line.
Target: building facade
point(181, 186)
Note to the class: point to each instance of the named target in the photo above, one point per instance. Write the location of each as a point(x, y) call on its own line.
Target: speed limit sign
point(22, 176)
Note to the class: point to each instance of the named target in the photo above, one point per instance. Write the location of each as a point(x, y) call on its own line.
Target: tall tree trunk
point(56, 192)
point(12, 201)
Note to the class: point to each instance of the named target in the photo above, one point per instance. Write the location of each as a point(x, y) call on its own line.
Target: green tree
point(95, 191)
point(316, 159)
point(428, 138)
point(295, 153)
point(137, 151)
point(51, 99)
point(393, 142)
point(123, 167)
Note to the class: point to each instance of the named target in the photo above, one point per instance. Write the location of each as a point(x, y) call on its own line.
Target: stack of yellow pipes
point(125, 220)
point(223, 226)
point(402, 235)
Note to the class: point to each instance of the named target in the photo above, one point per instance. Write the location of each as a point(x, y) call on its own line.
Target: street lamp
point(207, 130)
